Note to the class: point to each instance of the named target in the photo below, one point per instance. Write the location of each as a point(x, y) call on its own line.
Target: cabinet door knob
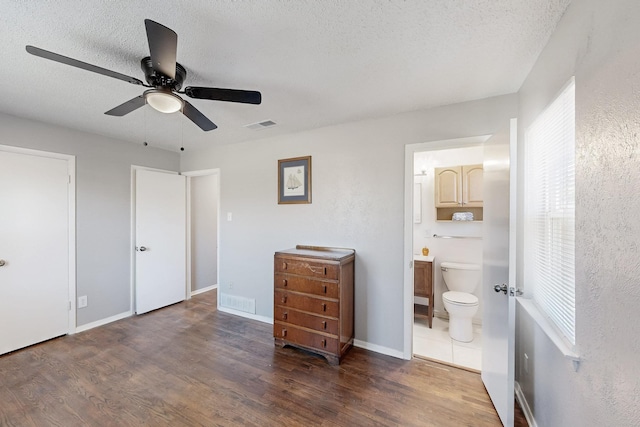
point(284, 299)
point(285, 315)
point(324, 324)
point(324, 343)
point(284, 282)
point(284, 265)
point(284, 332)
point(324, 307)
point(324, 289)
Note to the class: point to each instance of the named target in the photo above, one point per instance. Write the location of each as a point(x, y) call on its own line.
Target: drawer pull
point(324, 324)
point(284, 299)
point(324, 307)
point(284, 265)
point(284, 282)
point(284, 332)
point(324, 343)
point(318, 270)
point(324, 289)
point(285, 315)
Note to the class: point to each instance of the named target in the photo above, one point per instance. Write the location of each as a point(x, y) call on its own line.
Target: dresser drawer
point(306, 285)
point(311, 321)
point(306, 303)
point(306, 268)
point(305, 338)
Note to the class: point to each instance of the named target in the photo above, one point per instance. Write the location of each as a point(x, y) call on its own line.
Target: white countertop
point(423, 258)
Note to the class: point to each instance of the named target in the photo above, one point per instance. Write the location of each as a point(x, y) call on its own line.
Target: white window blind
point(550, 212)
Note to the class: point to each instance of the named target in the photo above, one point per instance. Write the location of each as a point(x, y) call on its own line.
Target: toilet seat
point(460, 298)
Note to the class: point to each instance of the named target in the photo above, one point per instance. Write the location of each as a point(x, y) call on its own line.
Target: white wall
point(103, 206)
point(358, 202)
point(597, 42)
point(204, 231)
point(451, 250)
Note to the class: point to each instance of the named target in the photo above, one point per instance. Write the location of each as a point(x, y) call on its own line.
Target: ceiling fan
point(164, 77)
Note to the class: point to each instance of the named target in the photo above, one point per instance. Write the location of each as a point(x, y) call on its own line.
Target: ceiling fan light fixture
point(163, 101)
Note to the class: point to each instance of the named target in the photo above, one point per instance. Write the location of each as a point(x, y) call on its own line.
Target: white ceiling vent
point(260, 125)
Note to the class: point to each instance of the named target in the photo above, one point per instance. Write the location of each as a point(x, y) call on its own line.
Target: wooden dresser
point(313, 300)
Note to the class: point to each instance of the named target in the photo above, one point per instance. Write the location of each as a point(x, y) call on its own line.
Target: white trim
point(203, 290)
point(378, 349)
point(71, 215)
point(524, 405)
point(103, 322)
point(263, 319)
point(132, 247)
point(547, 327)
point(409, 151)
point(202, 172)
point(189, 175)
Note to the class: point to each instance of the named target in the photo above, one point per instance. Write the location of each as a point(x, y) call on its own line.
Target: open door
point(498, 282)
point(160, 239)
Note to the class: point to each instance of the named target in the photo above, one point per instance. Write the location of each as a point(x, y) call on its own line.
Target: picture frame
point(294, 180)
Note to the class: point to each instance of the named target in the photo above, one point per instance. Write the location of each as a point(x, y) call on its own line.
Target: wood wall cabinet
point(459, 189)
point(314, 300)
point(423, 283)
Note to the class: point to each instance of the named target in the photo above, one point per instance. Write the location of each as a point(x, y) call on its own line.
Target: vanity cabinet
point(314, 300)
point(423, 284)
point(459, 189)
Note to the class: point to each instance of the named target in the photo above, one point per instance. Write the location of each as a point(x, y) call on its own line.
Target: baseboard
point(102, 322)
point(378, 349)
point(251, 316)
point(203, 290)
point(526, 410)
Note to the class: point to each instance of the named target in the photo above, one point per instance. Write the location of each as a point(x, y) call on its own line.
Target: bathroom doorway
point(445, 230)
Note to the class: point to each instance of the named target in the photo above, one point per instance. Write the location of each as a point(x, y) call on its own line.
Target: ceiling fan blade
point(197, 117)
point(127, 107)
point(163, 44)
point(230, 95)
point(79, 64)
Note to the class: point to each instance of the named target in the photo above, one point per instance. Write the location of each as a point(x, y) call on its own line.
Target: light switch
point(229, 216)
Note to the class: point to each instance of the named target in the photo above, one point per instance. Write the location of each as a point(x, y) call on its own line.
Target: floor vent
point(248, 305)
point(260, 125)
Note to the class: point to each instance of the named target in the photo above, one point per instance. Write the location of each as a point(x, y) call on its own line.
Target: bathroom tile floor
point(435, 343)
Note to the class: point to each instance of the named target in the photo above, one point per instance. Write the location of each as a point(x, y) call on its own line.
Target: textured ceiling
point(316, 62)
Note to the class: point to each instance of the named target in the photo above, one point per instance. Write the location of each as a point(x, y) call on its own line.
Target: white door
point(34, 249)
point(498, 322)
point(160, 239)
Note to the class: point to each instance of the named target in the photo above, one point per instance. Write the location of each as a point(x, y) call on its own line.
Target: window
point(549, 267)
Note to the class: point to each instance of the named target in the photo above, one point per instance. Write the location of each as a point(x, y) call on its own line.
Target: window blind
point(550, 211)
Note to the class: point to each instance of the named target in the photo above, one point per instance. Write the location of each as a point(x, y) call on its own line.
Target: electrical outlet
point(82, 301)
point(525, 363)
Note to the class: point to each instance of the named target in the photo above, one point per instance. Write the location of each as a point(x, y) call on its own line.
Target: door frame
point(409, 151)
point(190, 175)
point(132, 233)
point(71, 215)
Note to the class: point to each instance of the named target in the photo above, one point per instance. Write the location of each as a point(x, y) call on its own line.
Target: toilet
point(461, 280)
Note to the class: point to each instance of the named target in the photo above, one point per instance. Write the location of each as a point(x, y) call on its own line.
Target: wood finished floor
point(190, 365)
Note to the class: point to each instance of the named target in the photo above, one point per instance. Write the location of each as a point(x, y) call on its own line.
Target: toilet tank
point(460, 277)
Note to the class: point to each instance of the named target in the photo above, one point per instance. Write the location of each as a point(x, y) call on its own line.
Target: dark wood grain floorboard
point(190, 365)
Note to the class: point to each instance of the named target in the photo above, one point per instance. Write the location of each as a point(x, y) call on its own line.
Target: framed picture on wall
point(294, 180)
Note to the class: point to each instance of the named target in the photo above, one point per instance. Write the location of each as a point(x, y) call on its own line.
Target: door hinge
point(515, 291)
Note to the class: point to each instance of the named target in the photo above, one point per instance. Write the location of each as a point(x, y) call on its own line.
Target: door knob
point(141, 249)
point(2, 262)
point(500, 288)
